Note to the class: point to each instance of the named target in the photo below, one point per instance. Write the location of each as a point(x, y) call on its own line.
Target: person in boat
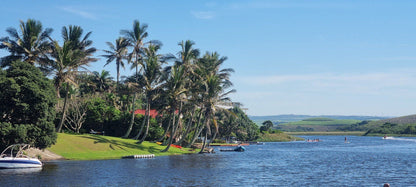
point(385, 136)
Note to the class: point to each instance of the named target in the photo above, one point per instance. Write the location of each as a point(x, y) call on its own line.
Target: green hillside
point(316, 124)
point(279, 119)
point(404, 126)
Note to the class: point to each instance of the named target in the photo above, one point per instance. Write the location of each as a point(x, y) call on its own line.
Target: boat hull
point(12, 163)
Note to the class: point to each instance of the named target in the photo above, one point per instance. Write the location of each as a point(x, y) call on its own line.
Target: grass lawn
point(278, 137)
point(97, 147)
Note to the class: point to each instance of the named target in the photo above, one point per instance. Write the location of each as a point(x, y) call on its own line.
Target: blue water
point(364, 161)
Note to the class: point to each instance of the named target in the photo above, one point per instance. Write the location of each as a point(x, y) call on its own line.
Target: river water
point(363, 161)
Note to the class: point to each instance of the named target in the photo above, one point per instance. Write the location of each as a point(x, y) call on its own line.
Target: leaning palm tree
point(174, 92)
point(151, 81)
point(136, 38)
point(65, 62)
point(117, 53)
point(31, 45)
point(216, 82)
point(79, 54)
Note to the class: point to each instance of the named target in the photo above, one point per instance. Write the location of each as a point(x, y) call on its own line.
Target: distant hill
point(411, 119)
point(278, 119)
point(316, 124)
point(403, 126)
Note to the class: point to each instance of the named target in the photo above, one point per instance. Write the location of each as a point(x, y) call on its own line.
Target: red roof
point(153, 113)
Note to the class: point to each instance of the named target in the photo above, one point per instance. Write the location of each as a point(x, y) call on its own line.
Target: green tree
point(117, 53)
point(177, 83)
point(75, 54)
point(28, 102)
point(103, 81)
point(267, 125)
point(136, 38)
point(151, 81)
point(215, 81)
point(31, 45)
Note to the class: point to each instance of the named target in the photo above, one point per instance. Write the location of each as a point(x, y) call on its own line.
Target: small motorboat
point(13, 157)
point(237, 149)
point(240, 149)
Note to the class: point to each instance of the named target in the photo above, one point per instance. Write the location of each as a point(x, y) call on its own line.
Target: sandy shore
point(44, 154)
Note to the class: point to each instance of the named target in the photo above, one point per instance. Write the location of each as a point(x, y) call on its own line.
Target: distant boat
point(237, 149)
point(13, 157)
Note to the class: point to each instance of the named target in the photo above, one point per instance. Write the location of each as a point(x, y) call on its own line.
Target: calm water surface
point(364, 161)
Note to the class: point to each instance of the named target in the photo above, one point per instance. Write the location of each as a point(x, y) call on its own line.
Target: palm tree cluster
point(185, 89)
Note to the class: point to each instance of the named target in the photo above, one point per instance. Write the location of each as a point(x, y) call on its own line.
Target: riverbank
point(278, 137)
point(332, 133)
point(97, 147)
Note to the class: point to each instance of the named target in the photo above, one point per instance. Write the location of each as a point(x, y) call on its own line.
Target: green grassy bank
point(278, 137)
point(355, 133)
point(97, 147)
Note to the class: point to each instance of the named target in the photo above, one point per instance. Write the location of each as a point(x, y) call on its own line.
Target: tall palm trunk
point(188, 128)
point(143, 124)
point(206, 132)
point(132, 117)
point(133, 109)
point(61, 123)
point(147, 122)
point(118, 77)
point(172, 131)
point(166, 132)
point(212, 138)
point(198, 130)
point(203, 144)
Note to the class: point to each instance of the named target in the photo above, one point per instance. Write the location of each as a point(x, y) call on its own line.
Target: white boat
point(13, 157)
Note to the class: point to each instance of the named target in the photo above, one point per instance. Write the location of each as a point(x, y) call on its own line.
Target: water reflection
point(366, 161)
point(20, 171)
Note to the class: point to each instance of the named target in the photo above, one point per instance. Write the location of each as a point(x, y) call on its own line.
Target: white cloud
point(79, 12)
point(203, 14)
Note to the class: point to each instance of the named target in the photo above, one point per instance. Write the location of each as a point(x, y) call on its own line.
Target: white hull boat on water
point(13, 157)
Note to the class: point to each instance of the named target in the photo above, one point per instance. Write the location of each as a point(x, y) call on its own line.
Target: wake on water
point(400, 139)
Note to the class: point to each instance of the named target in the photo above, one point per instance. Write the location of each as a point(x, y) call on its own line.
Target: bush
point(28, 106)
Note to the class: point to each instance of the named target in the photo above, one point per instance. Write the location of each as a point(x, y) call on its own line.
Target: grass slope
point(323, 121)
point(316, 124)
point(277, 137)
point(411, 119)
point(96, 147)
point(278, 119)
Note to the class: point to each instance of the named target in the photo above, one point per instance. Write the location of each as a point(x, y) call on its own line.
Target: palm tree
point(151, 81)
point(136, 38)
point(102, 80)
point(174, 92)
point(179, 81)
point(117, 53)
point(76, 53)
point(65, 62)
point(216, 82)
point(31, 45)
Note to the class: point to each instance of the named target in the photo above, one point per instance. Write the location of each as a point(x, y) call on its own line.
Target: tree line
point(185, 90)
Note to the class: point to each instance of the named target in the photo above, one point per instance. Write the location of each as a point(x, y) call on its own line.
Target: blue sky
point(290, 57)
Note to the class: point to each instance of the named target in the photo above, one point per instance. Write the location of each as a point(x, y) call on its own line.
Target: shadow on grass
point(118, 144)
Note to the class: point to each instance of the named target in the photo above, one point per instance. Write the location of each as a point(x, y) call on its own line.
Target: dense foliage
point(391, 128)
point(187, 90)
point(236, 123)
point(27, 112)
